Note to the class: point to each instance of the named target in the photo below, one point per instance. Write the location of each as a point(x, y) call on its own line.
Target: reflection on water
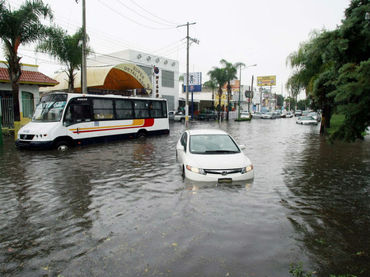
point(123, 209)
point(330, 209)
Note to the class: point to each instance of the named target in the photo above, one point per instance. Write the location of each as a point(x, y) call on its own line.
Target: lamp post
point(240, 83)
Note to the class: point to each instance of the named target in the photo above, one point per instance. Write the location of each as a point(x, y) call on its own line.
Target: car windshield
point(50, 108)
point(212, 144)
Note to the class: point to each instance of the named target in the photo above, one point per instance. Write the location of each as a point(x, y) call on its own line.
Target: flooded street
point(123, 209)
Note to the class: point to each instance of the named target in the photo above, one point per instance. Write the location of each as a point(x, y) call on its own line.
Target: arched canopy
point(118, 77)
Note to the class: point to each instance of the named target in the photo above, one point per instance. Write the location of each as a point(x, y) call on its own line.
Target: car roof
point(206, 132)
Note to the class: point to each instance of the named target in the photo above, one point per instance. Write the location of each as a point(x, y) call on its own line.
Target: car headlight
point(196, 170)
point(247, 169)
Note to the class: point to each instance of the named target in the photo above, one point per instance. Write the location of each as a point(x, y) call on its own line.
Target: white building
point(167, 82)
point(30, 81)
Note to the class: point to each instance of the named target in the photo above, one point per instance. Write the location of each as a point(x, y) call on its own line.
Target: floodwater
point(123, 209)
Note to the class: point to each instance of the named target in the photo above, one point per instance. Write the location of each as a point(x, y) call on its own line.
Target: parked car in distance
point(306, 120)
point(207, 115)
point(298, 113)
point(269, 115)
point(179, 116)
point(277, 114)
point(289, 115)
point(212, 155)
point(245, 115)
point(315, 115)
point(306, 112)
point(257, 115)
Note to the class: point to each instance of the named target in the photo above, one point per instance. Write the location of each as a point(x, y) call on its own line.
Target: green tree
point(19, 27)
point(231, 72)
point(212, 85)
point(302, 104)
point(66, 48)
point(315, 72)
point(219, 76)
point(290, 103)
point(332, 66)
point(352, 93)
point(352, 98)
point(279, 100)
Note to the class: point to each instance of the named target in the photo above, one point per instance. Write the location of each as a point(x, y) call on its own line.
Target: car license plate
point(225, 180)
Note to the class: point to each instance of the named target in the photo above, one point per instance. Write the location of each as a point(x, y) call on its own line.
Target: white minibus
point(62, 120)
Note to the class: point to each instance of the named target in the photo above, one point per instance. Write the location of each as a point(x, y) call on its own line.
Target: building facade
point(29, 83)
point(166, 81)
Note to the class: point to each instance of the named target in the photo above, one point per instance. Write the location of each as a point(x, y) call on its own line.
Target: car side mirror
point(242, 147)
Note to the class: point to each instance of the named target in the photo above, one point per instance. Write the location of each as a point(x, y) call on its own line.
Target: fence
point(7, 112)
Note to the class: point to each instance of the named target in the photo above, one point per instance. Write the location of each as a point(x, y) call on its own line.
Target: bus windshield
point(50, 108)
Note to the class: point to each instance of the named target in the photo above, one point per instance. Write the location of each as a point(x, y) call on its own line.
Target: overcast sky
point(262, 32)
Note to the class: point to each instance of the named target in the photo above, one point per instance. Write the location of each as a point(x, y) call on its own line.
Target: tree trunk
point(71, 80)
point(228, 100)
point(14, 70)
point(219, 103)
point(325, 119)
point(16, 108)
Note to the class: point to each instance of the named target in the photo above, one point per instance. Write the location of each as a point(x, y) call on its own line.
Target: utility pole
point(187, 70)
point(83, 66)
point(250, 96)
point(240, 83)
point(261, 89)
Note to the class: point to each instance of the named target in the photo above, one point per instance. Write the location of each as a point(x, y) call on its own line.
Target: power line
point(132, 20)
point(172, 23)
point(143, 16)
point(169, 47)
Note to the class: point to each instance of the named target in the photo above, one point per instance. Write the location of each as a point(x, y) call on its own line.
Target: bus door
point(78, 118)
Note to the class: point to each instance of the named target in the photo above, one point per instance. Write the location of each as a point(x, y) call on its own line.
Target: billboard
point(195, 82)
point(266, 81)
point(234, 85)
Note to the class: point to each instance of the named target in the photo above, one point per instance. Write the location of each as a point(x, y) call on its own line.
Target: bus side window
point(81, 113)
point(77, 113)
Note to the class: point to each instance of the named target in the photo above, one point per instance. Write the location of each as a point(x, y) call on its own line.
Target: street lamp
point(240, 83)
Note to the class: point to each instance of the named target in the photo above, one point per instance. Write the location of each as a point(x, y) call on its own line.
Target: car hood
point(218, 161)
point(37, 128)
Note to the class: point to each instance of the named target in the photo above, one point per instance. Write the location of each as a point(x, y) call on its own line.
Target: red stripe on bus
point(147, 123)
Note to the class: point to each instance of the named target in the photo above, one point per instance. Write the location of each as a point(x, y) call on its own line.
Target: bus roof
point(73, 95)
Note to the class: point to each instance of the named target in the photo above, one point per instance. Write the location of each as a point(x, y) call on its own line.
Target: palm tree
point(219, 76)
point(316, 72)
point(19, 27)
point(211, 84)
point(67, 49)
point(230, 71)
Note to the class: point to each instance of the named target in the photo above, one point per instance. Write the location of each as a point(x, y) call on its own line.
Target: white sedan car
point(306, 120)
point(212, 155)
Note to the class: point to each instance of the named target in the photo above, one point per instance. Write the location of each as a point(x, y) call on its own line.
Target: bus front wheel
point(62, 145)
